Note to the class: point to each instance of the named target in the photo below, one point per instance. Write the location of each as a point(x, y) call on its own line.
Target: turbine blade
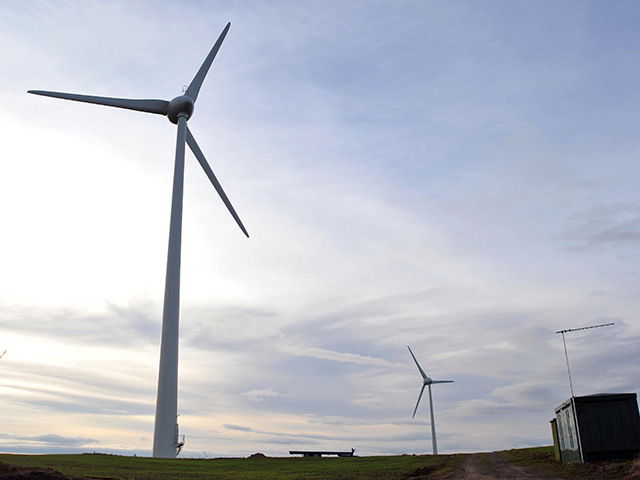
point(418, 402)
point(443, 381)
point(147, 105)
point(424, 375)
point(207, 169)
point(196, 83)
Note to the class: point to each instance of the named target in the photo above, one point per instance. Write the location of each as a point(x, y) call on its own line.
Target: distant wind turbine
point(166, 440)
point(427, 382)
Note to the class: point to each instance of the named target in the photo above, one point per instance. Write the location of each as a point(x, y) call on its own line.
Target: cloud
point(606, 226)
point(371, 401)
point(259, 395)
point(49, 440)
point(237, 427)
point(136, 324)
point(324, 354)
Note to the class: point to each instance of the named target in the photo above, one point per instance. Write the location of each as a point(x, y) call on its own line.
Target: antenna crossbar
point(564, 344)
point(585, 328)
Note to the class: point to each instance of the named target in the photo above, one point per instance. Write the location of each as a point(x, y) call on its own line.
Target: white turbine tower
point(427, 382)
point(166, 443)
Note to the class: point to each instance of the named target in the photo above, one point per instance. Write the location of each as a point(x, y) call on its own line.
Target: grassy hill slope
point(401, 467)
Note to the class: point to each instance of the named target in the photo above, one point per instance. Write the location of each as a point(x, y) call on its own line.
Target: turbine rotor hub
point(181, 106)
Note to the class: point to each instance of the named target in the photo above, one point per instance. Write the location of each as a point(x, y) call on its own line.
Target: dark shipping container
point(604, 426)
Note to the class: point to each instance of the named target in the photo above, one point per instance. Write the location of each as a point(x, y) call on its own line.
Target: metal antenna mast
point(564, 344)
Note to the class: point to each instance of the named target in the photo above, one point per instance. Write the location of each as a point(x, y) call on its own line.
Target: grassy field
point(140, 468)
point(97, 466)
point(542, 459)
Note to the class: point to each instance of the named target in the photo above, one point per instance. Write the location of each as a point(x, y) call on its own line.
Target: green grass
point(139, 468)
point(97, 466)
point(543, 459)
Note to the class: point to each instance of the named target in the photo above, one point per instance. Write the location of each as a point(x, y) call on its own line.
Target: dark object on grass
point(318, 453)
point(603, 426)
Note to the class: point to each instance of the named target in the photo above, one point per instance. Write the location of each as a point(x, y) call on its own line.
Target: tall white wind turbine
point(166, 443)
point(427, 382)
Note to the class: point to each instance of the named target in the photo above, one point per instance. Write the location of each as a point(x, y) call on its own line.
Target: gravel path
point(490, 466)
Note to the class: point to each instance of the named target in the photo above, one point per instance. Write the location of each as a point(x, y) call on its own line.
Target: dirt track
point(14, 472)
point(490, 466)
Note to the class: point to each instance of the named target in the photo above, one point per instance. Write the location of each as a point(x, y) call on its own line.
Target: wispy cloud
point(45, 442)
point(259, 395)
point(323, 354)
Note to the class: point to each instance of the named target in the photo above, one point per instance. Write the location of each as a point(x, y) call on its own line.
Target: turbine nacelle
point(181, 106)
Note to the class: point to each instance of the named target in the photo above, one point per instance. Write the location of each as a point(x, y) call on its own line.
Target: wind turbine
point(427, 382)
point(166, 443)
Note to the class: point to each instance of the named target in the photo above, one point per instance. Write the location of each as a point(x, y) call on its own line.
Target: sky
point(460, 177)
